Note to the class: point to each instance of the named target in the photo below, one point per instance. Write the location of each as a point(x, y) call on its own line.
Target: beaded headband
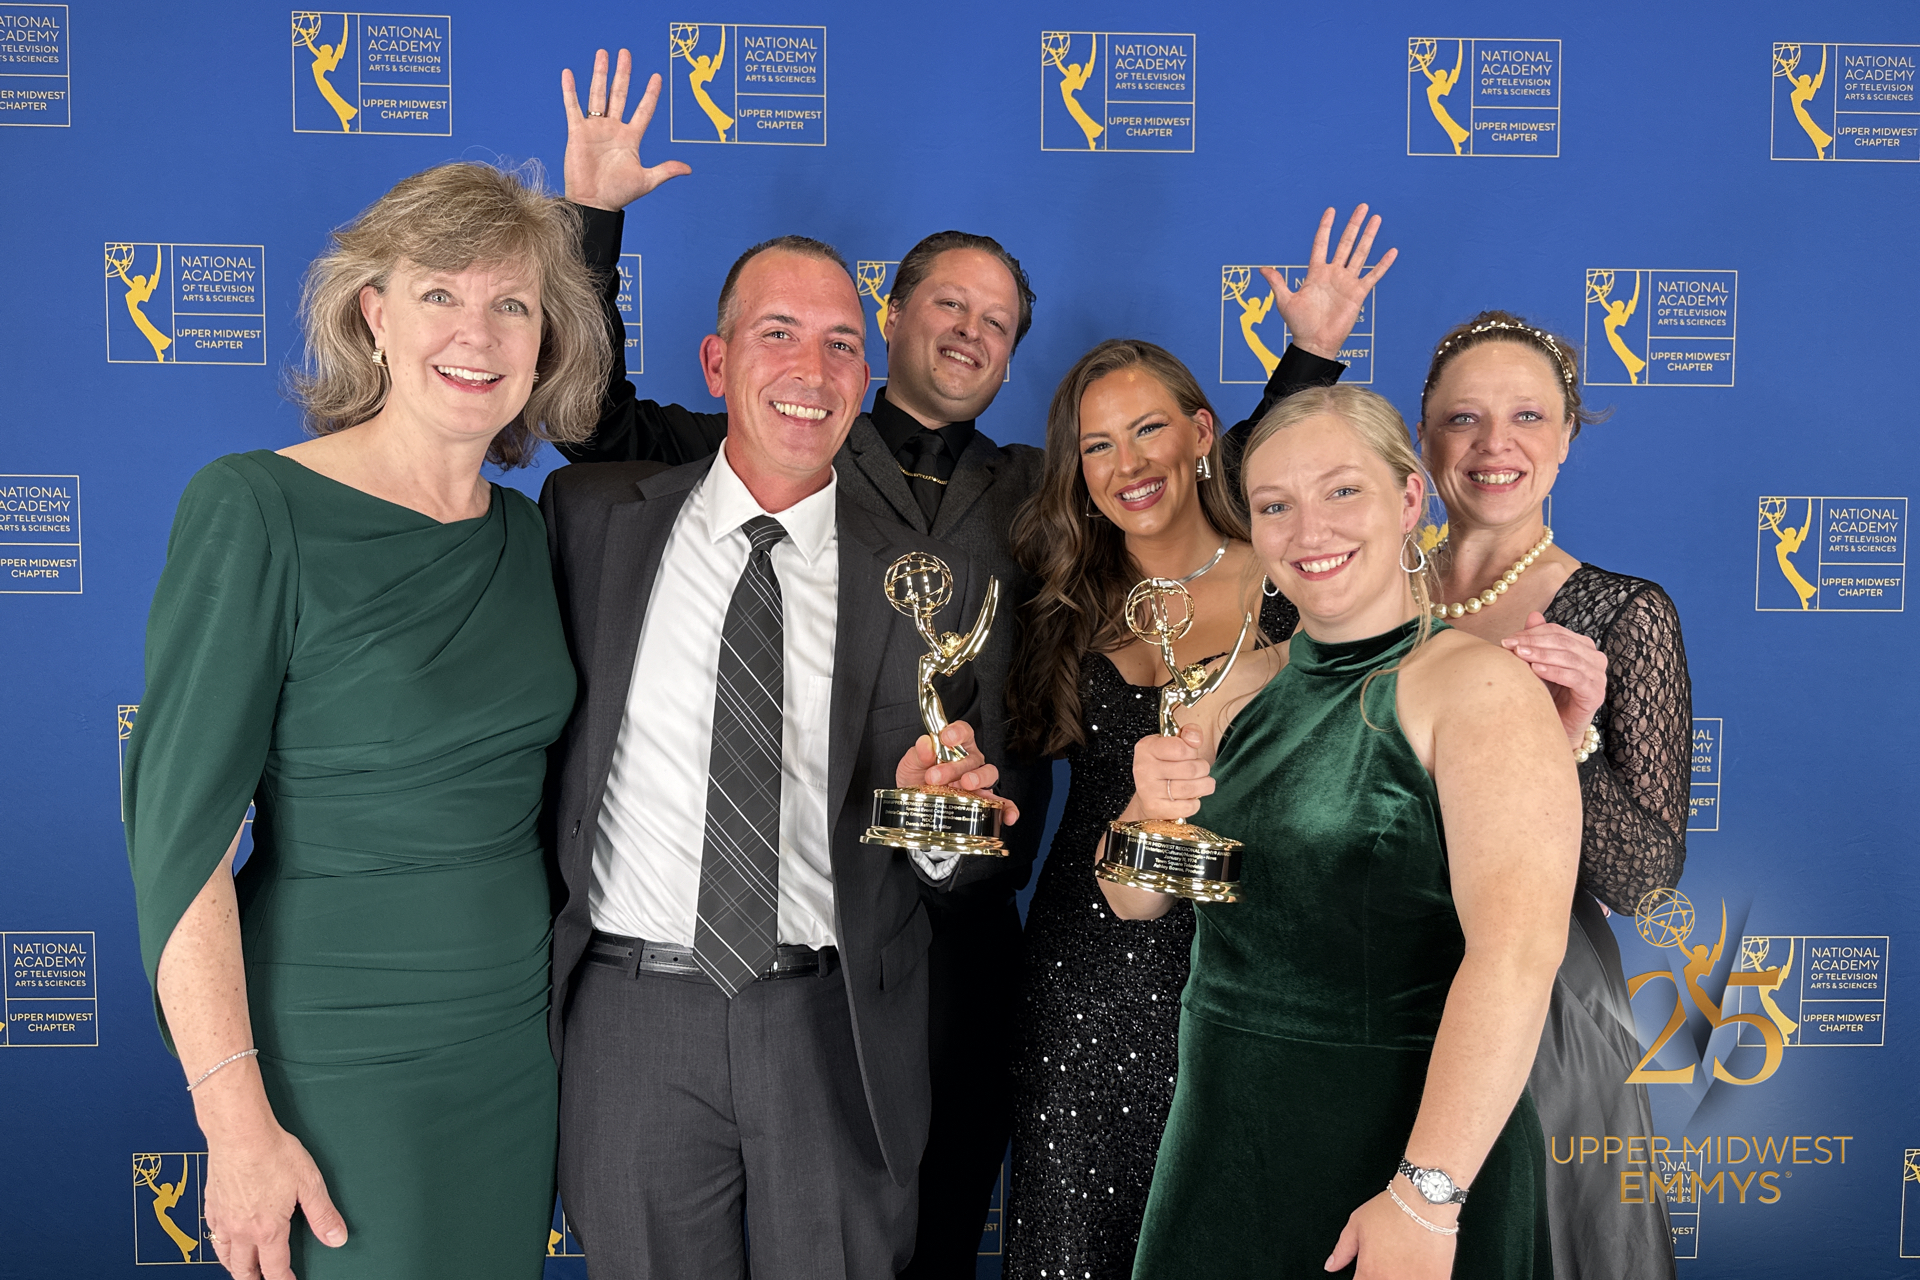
point(1540, 336)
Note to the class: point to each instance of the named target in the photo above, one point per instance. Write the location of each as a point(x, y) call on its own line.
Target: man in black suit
point(740, 987)
point(959, 306)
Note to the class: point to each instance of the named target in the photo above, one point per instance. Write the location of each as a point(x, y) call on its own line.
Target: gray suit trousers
point(690, 1122)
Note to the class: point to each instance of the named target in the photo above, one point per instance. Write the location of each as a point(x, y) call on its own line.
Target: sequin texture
point(1099, 1016)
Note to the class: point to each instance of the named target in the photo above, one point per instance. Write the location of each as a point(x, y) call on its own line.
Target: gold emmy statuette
point(1172, 855)
point(936, 819)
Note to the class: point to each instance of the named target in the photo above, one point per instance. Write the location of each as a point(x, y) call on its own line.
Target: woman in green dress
point(359, 636)
point(1356, 1033)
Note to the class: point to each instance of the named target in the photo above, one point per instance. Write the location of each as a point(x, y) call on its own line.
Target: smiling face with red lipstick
point(1139, 453)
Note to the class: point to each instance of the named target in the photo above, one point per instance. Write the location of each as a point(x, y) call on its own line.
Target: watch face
point(1433, 1185)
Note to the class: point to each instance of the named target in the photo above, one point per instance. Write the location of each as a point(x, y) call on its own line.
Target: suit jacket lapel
point(869, 453)
point(860, 634)
point(973, 473)
point(637, 534)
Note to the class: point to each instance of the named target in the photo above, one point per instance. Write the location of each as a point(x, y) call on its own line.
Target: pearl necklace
point(1499, 588)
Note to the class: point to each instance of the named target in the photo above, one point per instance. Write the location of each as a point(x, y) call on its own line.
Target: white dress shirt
point(652, 830)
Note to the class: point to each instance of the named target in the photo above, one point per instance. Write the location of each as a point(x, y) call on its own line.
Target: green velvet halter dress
point(1309, 1018)
point(384, 687)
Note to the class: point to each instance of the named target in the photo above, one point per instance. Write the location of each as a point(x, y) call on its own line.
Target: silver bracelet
point(224, 1062)
point(1434, 1227)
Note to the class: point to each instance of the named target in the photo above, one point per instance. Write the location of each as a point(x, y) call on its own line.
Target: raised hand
point(1322, 312)
point(1571, 665)
point(603, 169)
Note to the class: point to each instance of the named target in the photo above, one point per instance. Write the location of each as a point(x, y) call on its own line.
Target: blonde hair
point(450, 218)
point(1381, 428)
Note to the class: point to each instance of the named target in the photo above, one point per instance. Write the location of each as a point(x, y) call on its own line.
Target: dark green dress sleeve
point(218, 641)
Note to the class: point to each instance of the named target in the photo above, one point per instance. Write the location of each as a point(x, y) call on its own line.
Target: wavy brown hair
point(450, 218)
point(1081, 560)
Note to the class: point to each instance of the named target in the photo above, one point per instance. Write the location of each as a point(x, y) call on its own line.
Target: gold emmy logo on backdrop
point(1171, 855)
point(1600, 293)
point(1421, 51)
point(1910, 1196)
point(936, 819)
point(1666, 919)
point(120, 260)
point(1234, 282)
point(872, 280)
point(147, 1172)
point(1055, 46)
point(326, 61)
point(1786, 64)
point(1788, 544)
point(1753, 955)
point(686, 38)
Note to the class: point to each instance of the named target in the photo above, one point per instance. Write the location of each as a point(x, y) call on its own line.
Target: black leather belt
point(637, 955)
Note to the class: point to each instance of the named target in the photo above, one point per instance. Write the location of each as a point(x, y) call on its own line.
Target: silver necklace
point(1208, 565)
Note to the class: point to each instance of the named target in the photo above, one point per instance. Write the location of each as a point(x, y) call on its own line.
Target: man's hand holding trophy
point(943, 803)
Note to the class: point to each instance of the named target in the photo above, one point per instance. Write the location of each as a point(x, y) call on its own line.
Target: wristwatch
point(1434, 1186)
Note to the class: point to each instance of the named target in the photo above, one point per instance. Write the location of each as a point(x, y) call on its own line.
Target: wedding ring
point(596, 113)
point(1169, 788)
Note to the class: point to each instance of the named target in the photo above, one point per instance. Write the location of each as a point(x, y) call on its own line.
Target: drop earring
point(1204, 467)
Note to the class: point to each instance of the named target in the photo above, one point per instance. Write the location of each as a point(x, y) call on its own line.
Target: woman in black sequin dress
point(1499, 412)
point(1131, 439)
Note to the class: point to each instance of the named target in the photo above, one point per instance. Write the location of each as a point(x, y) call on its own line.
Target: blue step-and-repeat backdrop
point(1719, 202)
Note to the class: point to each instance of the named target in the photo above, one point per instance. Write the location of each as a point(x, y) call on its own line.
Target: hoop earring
point(1204, 467)
point(1090, 511)
point(1418, 568)
point(380, 357)
point(1267, 588)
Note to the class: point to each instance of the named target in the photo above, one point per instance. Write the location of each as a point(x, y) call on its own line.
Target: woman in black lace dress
point(1499, 411)
point(1134, 487)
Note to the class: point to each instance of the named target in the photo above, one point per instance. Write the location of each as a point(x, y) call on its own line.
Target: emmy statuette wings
point(1172, 855)
point(936, 819)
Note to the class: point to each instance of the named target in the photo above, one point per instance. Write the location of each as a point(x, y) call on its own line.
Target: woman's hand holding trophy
point(1162, 852)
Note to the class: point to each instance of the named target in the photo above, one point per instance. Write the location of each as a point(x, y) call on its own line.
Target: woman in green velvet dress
point(1356, 1033)
point(359, 636)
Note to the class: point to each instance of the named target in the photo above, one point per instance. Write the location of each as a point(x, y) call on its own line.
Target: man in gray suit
point(740, 986)
point(959, 305)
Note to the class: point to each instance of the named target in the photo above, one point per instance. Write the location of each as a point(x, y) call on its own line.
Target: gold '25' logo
point(1666, 919)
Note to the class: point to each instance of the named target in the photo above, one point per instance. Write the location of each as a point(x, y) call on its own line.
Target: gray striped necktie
point(736, 927)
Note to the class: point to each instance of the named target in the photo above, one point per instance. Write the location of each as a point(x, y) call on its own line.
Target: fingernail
point(336, 1238)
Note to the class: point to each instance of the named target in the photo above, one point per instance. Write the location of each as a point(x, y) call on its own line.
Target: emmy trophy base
point(1168, 856)
point(936, 820)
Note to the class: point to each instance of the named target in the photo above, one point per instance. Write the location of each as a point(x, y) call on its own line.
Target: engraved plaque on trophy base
point(936, 820)
point(1165, 855)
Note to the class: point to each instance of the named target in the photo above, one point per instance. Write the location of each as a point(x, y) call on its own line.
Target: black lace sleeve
point(1635, 789)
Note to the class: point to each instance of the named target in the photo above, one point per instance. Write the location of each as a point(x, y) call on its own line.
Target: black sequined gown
point(1099, 1014)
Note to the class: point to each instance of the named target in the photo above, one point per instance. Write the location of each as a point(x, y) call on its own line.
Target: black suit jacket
point(607, 527)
